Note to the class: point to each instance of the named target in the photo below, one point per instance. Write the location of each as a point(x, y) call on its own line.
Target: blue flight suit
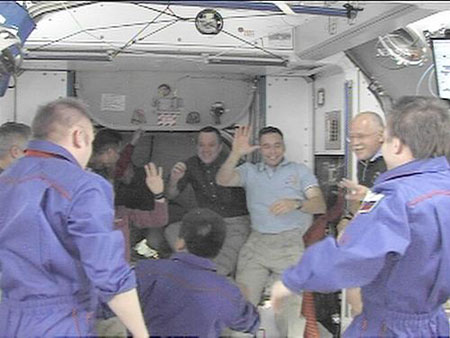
point(59, 253)
point(185, 297)
point(397, 249)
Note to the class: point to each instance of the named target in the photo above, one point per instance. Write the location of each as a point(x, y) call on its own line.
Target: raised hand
point(154, 178)
point(177, 172)
point(241, 141)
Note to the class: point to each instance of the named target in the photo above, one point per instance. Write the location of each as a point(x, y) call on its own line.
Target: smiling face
point(366, 137)
point(208, 147)
point(272, 149)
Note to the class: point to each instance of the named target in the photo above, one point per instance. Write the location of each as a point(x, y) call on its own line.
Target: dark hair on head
point(269, 130)
point(10, 133)
point(210, 129)
point(164, 86)
point(105, 139)
point(204, 232)
point(53, 119)
point(421, 123)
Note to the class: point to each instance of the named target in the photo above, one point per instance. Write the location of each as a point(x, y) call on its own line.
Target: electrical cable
point(88, 30)
point(77, 22)
point(158, 30)
point(430, 77)
point(158, 10)
point(67, 5)
point(253, 45)
point(133, 40)
point(239, 46)
point(249, 16)
point(116, 26)
point(419, 83)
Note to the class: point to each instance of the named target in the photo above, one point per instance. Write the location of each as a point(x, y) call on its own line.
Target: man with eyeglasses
point(365, 138)
point(397, 246)
point(13, 140)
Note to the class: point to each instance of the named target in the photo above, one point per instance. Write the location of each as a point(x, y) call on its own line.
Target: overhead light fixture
point(246, 61)
point(264, 6)
point(67, 56)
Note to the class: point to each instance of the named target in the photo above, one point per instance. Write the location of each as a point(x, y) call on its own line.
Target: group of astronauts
point(64, 235)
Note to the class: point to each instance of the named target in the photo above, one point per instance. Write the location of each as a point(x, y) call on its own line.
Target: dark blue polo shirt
point(226, 201)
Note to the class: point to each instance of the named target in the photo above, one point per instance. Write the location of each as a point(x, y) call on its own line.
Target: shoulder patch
point(370, 202)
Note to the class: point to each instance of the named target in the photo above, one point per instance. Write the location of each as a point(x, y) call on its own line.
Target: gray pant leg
point(265, 254)
point(238, 229)
point(289, 320)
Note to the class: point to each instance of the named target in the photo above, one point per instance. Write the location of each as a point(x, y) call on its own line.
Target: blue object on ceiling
point(260, 6)
point(15, 17)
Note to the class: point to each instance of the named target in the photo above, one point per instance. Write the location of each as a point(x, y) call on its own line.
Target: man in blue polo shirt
point(282, 197)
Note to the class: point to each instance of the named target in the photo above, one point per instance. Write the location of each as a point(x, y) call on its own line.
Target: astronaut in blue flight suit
point(397, 248)
point(58, 250)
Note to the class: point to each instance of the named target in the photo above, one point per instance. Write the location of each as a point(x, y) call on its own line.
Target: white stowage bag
point(143, 249)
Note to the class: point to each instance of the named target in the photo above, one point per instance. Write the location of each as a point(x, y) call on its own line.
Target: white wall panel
point(33, 89)
point(122, 21)
point(333, 87)
point(138, 89)
point(289, 107)
point(7, 105)
point(367, 101)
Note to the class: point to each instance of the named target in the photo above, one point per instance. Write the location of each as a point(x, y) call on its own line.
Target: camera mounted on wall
point(217, 110)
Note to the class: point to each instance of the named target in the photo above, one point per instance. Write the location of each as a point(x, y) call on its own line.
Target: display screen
point(441, 56)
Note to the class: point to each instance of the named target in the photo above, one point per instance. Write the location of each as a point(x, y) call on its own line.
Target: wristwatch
point(348, 215)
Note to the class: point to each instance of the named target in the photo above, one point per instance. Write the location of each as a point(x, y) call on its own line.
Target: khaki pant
point(262, 260)
point(238, 229)
point(111, 327)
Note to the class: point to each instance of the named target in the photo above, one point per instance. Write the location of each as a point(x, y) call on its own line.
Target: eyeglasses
point(352, 138)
